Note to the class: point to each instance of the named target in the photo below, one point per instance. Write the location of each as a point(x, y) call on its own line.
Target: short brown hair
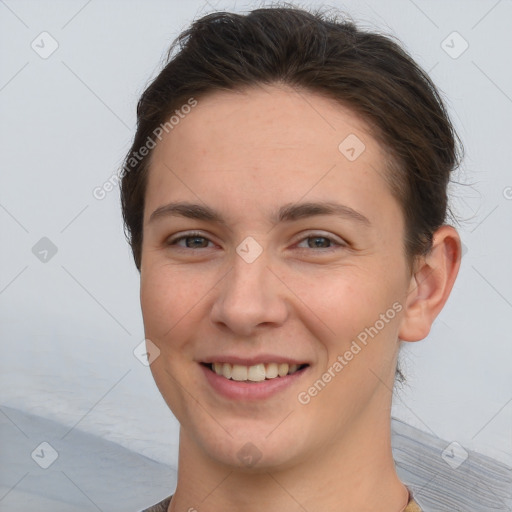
point(367, 72)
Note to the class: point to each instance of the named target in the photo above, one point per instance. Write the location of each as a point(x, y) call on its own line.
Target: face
point(249, 278)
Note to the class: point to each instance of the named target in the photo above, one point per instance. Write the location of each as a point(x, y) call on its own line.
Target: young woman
point(285, 199)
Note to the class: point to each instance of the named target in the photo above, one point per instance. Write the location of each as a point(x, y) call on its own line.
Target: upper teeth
point(255, 373)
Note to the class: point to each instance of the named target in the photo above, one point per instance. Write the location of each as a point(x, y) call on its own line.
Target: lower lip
point(236, 390)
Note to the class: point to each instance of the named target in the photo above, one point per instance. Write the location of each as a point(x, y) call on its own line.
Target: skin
point(245, 154)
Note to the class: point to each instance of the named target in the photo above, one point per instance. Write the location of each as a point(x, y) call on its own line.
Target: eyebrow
point(286, 213)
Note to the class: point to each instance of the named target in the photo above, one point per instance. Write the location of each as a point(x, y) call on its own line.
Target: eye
point(321, 241)
point(196, 240)
point(192, 241)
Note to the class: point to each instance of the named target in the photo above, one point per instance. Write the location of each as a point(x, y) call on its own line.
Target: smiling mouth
point(255, 373)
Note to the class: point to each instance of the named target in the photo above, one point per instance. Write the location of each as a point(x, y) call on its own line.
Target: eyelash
point(313, 235)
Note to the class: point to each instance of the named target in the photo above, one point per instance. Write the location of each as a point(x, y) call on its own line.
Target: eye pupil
point(316, 238)
point(194, 239)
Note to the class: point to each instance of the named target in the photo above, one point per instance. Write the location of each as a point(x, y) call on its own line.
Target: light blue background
point(69, 326)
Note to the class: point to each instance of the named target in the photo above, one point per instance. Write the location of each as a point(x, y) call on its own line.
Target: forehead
point(274, 118)
point(266, 144)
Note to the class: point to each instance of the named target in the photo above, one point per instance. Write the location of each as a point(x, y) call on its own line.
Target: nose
point(250, 297)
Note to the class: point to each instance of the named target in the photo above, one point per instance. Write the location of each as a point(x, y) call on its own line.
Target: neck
point(353, 473)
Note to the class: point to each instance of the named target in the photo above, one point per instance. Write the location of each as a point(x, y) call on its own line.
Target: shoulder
point(164, 505)
point(160, 507)
point(412, 506)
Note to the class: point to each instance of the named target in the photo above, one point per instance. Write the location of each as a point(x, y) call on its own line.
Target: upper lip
point(251, 361)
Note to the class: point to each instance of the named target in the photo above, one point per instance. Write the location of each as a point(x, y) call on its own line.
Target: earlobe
point(431, 284)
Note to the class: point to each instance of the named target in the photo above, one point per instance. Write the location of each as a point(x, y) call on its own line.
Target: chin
point(251, 448)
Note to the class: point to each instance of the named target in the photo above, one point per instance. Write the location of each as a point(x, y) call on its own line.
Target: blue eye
point(198, 241)
point(321, 238)
point(189, 236)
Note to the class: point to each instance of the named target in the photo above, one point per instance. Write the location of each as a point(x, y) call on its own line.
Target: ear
point(431, 283)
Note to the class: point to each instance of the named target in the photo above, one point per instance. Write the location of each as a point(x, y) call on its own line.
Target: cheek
point(156, 303)
point(344, 297)
point(356, 304)
point(170, 301)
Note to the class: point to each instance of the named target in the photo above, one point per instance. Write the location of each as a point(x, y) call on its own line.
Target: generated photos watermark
point(304, 397)
point(101, 191)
